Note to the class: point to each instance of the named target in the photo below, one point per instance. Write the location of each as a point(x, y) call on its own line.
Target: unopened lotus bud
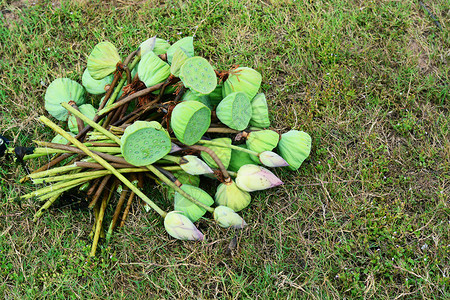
point(103, 60)
point(239, 158)
point(152, 69)
point(189, 209)
point(180, 227)
point(226, 217)
point(147, 46)
point(260, 112)
point(193, 165)
point(271, 159)
point(242, 79)
point(255, 178)
point(229, 194)
point(295, 147)
point(260, 141)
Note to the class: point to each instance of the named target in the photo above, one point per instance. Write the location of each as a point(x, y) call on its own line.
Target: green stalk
point(205, 142)
point(44, 207)
point(50, 172)
point(171, 158)
point(58, 192)
point(104, 163)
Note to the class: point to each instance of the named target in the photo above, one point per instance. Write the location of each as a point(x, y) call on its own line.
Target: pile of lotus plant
point(166, 117)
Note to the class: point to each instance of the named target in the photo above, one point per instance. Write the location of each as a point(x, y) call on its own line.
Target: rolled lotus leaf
point(152, 69)
point(189, 209)
point(182, 177)
point(62, 90)
point(188, 45)
point(86, 109)
point(198, 75)
point(224, 153)
point(179, 58)
point(242, 79)
point(103, 60)
point(260, 141)
point(59, 139)
point(260, 112)
point(180, 227)
point(252, 178)
point(143, 143)
point(161, 46)
point(294, 147)
point(189, 121)
point(191, 96)
point(230, 195)
point(147, 46)
point(216, 96)
point(193, 165)
point(93, 86)
point(226, 217)
point(235, 111)
point(239, 158)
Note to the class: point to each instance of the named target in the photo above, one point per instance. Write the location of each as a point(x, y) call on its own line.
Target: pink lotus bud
point(226, 217)
point(255, 178)
point(175, 148)
point(180, 227)
point(271, 159)
point(194, 165)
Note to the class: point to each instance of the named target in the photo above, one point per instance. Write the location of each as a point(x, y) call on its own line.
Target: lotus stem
point(215, 158)
point(140, 183)
point(50, 172)
point(103, 162)
point(115, 218)
point(205, 142)
point(44, 207)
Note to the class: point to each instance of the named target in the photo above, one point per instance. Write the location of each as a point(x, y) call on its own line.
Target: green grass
point(367, 215)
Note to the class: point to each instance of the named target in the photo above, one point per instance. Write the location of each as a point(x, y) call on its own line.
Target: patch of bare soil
point(423, 61)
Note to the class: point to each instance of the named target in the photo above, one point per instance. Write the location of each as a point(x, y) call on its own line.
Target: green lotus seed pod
point(152, 69)
point(189, 209)
point(226, 217)
point(188, 45)
point(198, 75)
point(191, 96)
point(180, 227)
point(224, 153)
point(143, 143)
point(260, 112)
point(294, 147)
point(252, 178)
point(239, 158)
point(235, 111)
point(103, 60)
point(230, 195)
point(216, 96)
point(242, 79)
point(179, 58)
point(147, 46)
point(62, 90)
point(260, 141)
point(93, 86)
point(161, 46)
point(87, 110)
point(189, 121)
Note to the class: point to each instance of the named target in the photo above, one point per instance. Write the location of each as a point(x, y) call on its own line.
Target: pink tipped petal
point(271, 159)
point(180, 227)
point(255, 178)
point(175, 148)
point(195, 166)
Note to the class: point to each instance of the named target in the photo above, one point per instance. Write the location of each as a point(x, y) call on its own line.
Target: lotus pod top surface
point(189, 121)
point(161, 46)
point(152, 69)
point(86, 109)
point(143, 143)
point(93, 86)
point(242, 79)
point(260, 111)
point(224, 153)
point(189, 209)
point(180, 227)
point(294, 147)
point(179, 58)
point(235, 111)
point(230, 195)
point(103, 60)
point(62, 90)
point(198, 75)
point(188, 45)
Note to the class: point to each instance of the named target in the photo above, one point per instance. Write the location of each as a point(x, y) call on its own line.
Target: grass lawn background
point(367, 215)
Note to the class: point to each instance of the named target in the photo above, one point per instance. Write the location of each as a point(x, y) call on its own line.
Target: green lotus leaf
point(189, 121)
point(62, 90)
point(198, 75)
point(235, 111)
point(152, 69)
point(59, 139)
point(260, 112)
point(224, 153)
point(188, 45)
point(242, 79)
point(93, 86)
point(143, 143)
point(294, 147)
point(103, 60)
point(86, 109)
point(184, 178)
point(189, 209)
